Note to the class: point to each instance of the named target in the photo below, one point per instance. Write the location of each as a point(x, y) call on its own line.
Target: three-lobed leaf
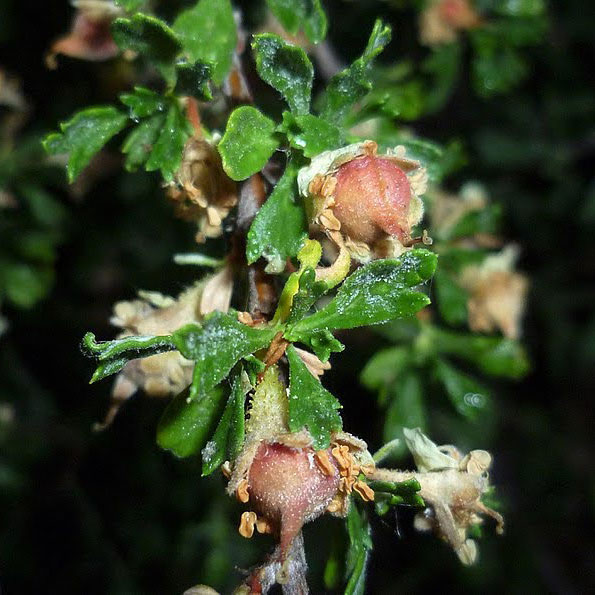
point(150, 37)
point(279, 228)
point(311, 406)
point(208, 33)
point(248, 142)
point(377, 292)
point(216, 346)
point(286, 68)
point(350, 85)
point(84, 135)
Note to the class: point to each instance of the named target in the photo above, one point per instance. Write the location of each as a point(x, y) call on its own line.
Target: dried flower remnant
point(497, 294)
point(441, 20)
point(446, 209)
point(90, 37)
point(452, 485)
point(201, 191)
point(366, 203)
point(164, 374)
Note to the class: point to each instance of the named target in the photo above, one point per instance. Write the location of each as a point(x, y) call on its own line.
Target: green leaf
point(114, 355)
point(143, 102)
point(279, 228)
point(139, 143)
point(520, 8)
point(310, 134)
point(216, 346)
point(84, 135)
point(166, 155)
point(406, 407)
point(286, 68)
point(309, 292)
point(248, 142)
point(360, 546)
point(350, 85)
point(495, 356)
point(24, 284)
point(452, 298)
point(193, 80)
point(384, 369)
point(296, 14)
point(185, 424)
point(150, 37)
point(496, 68)
point(208, 33)
point(467, 396)
point(130, 5)
point(227, 440)
point(311, 406)
point(443, 68)
point(375, 293)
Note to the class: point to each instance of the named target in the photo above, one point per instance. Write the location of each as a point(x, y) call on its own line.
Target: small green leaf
point(360, 546)
point(23, 284)
point(311, 406)
point(296, 14)
point(443, 68)
point(375, 293)
point(143, 102)
point(467, 395)
point(350, 85)
point(520, 8)
point(309, 292)
point(452, 298)
point(310, 134)
point(406, 407)
point(495, 356)
point(185, 424)
point(279, 228)
point(193, 80)
point(384, 369)
point(229, 435)
point(114, 355)
point(130, 5)
point(84, 135)
point(216, 346)
point(166, 155)
point(208, 33)
point(248, 142)
point(150, 37)
point(139, 143)
point(286, 68)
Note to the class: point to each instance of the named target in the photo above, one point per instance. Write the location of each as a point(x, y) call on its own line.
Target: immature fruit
point(289, 487)
point(372, 199)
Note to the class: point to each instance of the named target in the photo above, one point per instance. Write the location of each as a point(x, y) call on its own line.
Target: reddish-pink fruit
point(372, 199)
point(288, 488)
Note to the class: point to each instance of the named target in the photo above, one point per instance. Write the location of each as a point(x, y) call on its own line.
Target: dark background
point(111, 513)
